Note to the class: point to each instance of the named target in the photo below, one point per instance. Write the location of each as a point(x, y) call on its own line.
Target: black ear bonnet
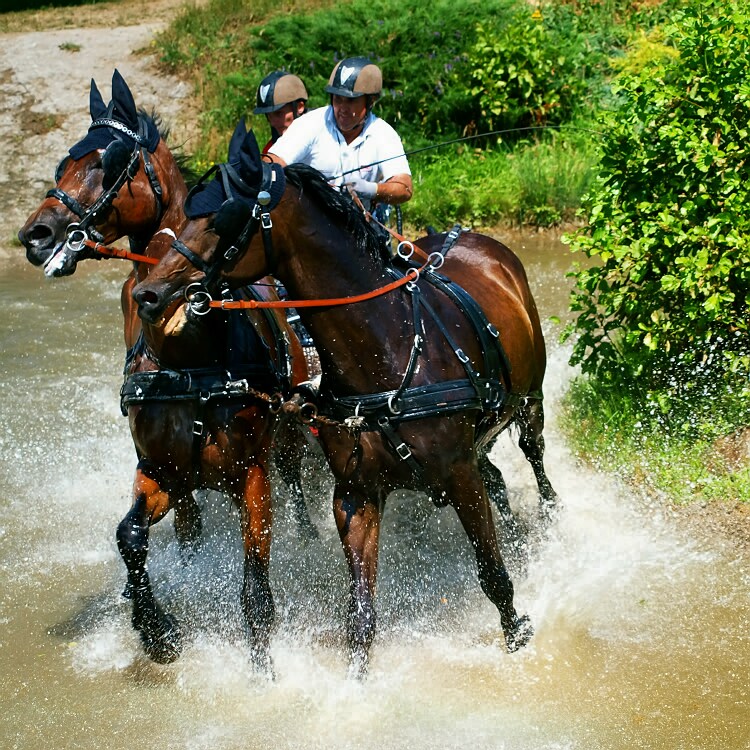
point(238, 180)
point(118, 120)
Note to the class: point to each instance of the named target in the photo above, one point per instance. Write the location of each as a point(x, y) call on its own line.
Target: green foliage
point(537, 182)
point(530, 70)
point(608, 429)
point(420, 47)
point(666, 303)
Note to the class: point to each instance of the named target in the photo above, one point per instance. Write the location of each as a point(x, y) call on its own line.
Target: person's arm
point(395, 190)
point(270, 156)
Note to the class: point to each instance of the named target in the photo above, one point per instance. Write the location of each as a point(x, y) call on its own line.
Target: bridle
point(228, 249)
point(77, 233)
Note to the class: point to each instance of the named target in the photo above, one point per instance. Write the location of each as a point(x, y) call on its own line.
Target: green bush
point(666, 305)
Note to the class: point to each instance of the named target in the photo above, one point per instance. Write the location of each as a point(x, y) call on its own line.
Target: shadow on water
point(641, 631)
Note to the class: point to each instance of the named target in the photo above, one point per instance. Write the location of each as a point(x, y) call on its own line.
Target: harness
point(385, 411)
point(260, 219)
point(205, 384)
point(240, 382)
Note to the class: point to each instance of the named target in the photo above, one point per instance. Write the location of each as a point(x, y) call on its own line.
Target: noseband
point(77, 233)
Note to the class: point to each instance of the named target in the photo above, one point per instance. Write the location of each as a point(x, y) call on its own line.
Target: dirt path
point(44, 89)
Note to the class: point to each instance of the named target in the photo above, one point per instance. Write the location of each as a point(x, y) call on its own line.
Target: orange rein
point(412, 275)
point(114, 252)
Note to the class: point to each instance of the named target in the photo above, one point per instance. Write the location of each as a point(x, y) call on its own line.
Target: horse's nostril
point(146, 297)
point(39, 233)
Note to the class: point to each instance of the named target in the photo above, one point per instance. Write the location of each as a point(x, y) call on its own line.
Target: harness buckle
point(493, 331)
point(435, 260)
point(238, 385)
point(461, 356)
point(198, 428)
point(403, 451)
point(265, 221)
point(231, 252)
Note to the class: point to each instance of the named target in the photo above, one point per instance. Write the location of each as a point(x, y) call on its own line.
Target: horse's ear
point(251, 166)
point(123, 100)
point(235, 142)
point(97, 107)
point(250, 147)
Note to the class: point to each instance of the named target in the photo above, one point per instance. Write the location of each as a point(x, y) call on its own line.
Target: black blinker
point(231, 218)
point(61, 168)
point(115, 161)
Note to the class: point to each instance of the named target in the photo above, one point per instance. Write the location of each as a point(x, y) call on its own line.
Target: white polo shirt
point(315, 140)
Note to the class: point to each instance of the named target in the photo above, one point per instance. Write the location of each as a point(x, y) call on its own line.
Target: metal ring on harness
point(275, 402)
point(75, 238)
point(409, 246)
point(440, 259)
point(308, 412)
point(391, 408)
point(199, 300)
point(414, 273)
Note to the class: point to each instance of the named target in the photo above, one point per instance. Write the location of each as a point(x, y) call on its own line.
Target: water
point(641, 630)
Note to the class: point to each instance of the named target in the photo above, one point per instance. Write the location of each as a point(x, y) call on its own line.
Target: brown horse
point(416, 383)
point(193, 392)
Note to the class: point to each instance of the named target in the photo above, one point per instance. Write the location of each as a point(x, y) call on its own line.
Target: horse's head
point(115, 182)
point(226, 216)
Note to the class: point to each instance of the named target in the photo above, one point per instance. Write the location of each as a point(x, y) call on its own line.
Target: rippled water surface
point(641, 631)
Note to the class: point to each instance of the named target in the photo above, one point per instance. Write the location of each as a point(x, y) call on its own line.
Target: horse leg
point(530, 421)
point(498, 492)
point(257, 600)
point(288, 451)
point(187, 524)
point(469, 498)
point(159, 632)
point(358, 524)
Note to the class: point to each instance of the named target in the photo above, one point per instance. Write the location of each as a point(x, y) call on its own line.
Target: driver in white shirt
point(347, 142)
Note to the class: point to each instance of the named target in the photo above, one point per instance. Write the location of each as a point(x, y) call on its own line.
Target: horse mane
point(337, 206)
point(182, 159)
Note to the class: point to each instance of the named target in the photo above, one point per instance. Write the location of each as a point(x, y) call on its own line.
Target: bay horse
point(416, 383)
point(192, 392)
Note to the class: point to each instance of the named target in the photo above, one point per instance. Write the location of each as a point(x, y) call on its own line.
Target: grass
point(538, 182)
point(609, 433)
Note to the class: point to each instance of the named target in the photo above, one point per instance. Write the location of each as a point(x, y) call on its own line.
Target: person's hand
point(363, 188)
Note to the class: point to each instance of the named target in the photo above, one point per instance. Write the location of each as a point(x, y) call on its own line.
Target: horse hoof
point(262, 663)
point(358, 662)
point(520, 635)
point(163, 646)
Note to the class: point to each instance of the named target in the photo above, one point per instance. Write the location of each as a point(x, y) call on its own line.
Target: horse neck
point(361, 346)
point(173, 219)
point(202, 341)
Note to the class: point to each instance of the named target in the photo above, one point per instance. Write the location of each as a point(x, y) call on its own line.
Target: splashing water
point(641, 631)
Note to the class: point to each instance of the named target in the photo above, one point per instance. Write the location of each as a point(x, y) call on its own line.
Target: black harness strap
point(204, 384)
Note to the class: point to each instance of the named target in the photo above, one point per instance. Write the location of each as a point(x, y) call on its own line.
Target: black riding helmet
point(356, 76)
point(276, 90)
